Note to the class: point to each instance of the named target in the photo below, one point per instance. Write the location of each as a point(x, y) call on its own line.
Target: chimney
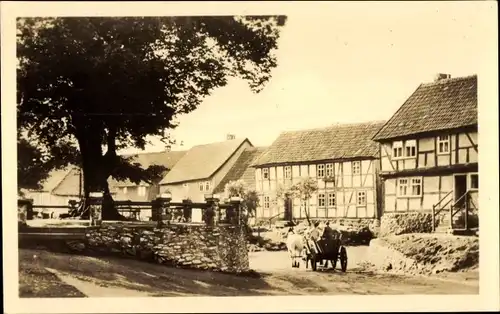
point(230, 137)
point(441, 76)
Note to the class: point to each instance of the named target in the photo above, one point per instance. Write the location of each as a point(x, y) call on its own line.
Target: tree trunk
point(96, 171)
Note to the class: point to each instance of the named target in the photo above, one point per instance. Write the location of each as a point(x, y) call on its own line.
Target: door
point(460, 188)
point(288, 209)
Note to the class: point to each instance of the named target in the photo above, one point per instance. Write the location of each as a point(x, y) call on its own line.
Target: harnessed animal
point(295, 247)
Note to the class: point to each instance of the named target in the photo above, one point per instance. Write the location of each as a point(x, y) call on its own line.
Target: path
point(70, 275)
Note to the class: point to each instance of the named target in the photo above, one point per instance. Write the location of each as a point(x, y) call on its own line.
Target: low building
point(242, 170)
point(202, 169)
point(341, 158)
point(144, 191)
point(429, 150)
point(54, 191)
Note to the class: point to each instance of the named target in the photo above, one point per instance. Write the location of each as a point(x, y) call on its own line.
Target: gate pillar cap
point(96, 194)
point(235, 199)
point(166, 195)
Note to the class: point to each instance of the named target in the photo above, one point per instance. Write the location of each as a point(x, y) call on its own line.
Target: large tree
point(107, 83)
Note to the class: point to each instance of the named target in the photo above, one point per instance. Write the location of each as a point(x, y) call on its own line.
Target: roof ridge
point(150, 153)
point(337, 125)
point(240, 139)
point(448, 80)
point(70, 169)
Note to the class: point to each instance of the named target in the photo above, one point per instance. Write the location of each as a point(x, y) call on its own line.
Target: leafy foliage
point(250, 198)
point(109, 83)
point(304, 191)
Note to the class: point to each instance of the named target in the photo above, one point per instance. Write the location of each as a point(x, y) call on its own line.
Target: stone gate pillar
point(95, 208)
point(162, 204)
point(187, 210)
point(24, 210)
point(236, 214)
point(211, 214)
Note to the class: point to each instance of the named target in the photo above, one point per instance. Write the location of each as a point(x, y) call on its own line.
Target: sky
point(349, 64)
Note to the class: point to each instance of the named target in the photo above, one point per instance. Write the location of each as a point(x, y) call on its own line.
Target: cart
point(323, 251)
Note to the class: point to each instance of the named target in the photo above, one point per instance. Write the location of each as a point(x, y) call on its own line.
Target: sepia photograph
point(244, 153)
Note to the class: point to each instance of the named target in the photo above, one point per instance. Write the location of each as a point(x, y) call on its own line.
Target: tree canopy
point(89, 86)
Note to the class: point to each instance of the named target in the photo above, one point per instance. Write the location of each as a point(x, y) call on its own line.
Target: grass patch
point(37, 282)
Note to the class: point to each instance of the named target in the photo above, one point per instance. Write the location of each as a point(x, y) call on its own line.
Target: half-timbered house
point(429, 151)
point(343, 160)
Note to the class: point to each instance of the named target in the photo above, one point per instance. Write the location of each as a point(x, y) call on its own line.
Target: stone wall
point(402, 223)
point(423, 253)
point(218, 248)
point(222, 247)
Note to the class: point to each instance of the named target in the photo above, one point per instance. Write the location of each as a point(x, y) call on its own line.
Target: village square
point(237, 156)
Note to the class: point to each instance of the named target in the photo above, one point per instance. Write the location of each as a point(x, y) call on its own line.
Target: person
point(327, 232)
point(314, 236)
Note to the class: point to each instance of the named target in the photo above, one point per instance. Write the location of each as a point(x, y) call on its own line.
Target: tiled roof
point(202, 161)
point(54, 179)
point(339, 141)
point(70, 185)
point(445, 104)
point(167, 159)
point(241, 169)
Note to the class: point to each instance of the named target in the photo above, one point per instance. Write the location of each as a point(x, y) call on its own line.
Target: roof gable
point(242, 169)
point(442, 105)
point(340, 141)
point(70, 185)
point(202, 161)
point(167, 159)
point(54, 179)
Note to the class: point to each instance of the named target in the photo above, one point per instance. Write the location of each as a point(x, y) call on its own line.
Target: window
point(474, 181)
point(201, 185)
point(321, 171)
point(411, 148)
point(443, 144)
point(410, 187)
point(403, 187)
point(288, 172)
point(124, 190)
point(356, 167)
point(207, 186)
point(416, 186)
point(142, 191)
point(397, 149)
point(361, 199)
point(266, 202)
point(329, 170)
point(331, 199)
point(321, 200)
point(265, 173)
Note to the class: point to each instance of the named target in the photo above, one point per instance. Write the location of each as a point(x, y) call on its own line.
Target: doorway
point(460, 188)
point(288, 209)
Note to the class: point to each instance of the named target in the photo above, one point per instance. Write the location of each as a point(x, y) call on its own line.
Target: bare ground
point(48, 274)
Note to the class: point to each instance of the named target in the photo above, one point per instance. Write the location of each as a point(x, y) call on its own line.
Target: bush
point(472, 220)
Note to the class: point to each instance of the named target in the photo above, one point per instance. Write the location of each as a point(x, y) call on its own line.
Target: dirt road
point(44, 274)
